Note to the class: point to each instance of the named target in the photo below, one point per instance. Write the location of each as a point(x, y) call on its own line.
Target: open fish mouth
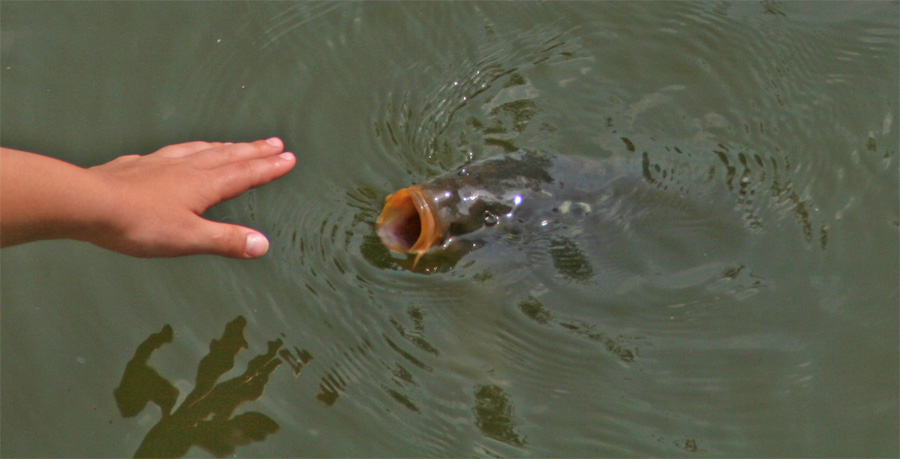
point(408, 223)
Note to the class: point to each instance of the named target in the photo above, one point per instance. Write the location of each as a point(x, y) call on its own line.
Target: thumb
point(232, 241)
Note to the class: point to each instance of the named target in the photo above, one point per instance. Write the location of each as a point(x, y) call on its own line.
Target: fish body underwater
point(621, 210)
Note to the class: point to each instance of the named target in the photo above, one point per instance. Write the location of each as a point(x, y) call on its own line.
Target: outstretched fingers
point(232, 179)
point(185, 149)
point(213, 154)
point(215, 157)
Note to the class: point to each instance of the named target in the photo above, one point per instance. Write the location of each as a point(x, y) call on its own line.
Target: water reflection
point(206, 417)
point(335, 380)
point(620, 346)
point(494, 415)
point(569, 260)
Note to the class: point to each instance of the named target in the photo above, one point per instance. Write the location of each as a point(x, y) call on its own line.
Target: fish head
point(446, 218)
point(408, 223)
point(459, 211)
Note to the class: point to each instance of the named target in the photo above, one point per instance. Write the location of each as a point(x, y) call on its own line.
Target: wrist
point(93, 217)
point(45, 198)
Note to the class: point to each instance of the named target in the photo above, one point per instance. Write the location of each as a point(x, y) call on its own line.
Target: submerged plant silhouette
point(206, 417)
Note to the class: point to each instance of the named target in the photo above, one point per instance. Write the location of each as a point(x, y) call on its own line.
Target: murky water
point(750, 308)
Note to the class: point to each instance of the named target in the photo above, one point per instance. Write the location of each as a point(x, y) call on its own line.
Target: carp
point(568, 199)
point(432, 215)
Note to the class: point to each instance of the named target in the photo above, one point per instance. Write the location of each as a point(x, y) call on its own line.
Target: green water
point(779, 338)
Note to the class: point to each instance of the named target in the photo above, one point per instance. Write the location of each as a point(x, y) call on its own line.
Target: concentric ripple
point(688, 319)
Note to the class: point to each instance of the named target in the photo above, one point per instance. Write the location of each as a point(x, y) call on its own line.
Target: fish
point(568, 199)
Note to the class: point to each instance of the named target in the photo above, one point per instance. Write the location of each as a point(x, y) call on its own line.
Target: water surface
point(775, 334)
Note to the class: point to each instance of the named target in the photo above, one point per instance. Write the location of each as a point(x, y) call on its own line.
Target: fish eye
point(490, 219)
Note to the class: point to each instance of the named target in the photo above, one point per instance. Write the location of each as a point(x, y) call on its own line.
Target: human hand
point(154, 203)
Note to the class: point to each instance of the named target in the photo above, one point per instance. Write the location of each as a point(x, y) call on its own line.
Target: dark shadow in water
point(206, 417)
point(569, 260)
point(494, 415)
point(620, 346)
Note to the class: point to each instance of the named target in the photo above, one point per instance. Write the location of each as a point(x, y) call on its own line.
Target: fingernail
point(275, 142)
point(287, 156)
point(256, 245)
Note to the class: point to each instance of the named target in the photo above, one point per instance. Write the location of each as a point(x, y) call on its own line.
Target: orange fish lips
point(408, 223)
